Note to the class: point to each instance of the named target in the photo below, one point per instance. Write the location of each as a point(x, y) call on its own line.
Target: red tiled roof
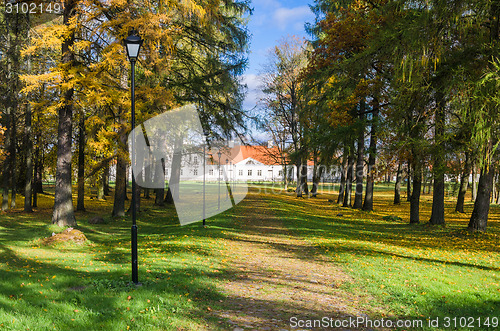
point(265, 155)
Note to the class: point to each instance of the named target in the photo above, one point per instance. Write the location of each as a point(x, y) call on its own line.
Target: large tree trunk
point(120, 186)
point(397, 187)
point(7, 162)
point(343, 170)
point(7, 119)
point(348, 184)
point(415, 196)
point(29, 161)
point(370, 179)
point(479, 217)
point(360, 165)
point(80, 204)
point(63, 214)
point(121, 173)
point(438, 169)
point(13, 156)
point(464, 182)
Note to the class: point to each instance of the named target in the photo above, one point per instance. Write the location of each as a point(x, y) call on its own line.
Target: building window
point(166, 171)
point(249, 173)
point(211, 172)
point(182, 172)
point(240, 172)
point(259, 173)
point(221, 172)
point(280, 173)
point(195, 160)
point(195, 172)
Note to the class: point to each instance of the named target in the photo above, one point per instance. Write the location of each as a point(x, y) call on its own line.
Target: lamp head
point(133, 45)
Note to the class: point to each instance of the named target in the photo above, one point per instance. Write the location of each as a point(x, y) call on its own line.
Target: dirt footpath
point(278, 279)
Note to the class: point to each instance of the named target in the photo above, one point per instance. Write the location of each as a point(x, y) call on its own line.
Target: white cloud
point(283, 17)
point(254, 93)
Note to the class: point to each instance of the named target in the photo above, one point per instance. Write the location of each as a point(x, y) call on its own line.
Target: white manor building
point(241, 163)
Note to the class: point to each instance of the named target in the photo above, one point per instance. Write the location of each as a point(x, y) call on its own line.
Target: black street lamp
point(133, 46)
point(205, 133)
point(219, 154)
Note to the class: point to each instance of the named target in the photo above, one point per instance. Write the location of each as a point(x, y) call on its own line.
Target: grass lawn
point(416, 271)
point(411, 271)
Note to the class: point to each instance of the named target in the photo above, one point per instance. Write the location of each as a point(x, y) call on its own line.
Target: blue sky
point(271, 21)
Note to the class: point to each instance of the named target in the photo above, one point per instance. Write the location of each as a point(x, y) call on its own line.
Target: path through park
point(277, 276)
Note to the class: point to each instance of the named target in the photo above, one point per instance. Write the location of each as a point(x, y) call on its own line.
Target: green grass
point(419, 272)
point(87, 287)
point(411, 271)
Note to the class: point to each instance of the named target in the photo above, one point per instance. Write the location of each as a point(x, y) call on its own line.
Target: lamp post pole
point(231, 177)
point(205, 133)
point(135, 271)
point(226, 174)
point(219, 154)
point(133, 45)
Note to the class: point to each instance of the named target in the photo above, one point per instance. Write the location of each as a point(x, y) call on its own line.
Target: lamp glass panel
point(133, 50)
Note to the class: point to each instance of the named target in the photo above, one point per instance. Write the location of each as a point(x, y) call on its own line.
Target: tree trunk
point(348, 185)
point(7, 162)
point(120, 187)
point(479, 217)
point(29, 161)
point(298, 166)
point(493, 189)
point(285, 175)
point(438, 169)
point(121, 172)
point(360, 165)
point(340, 199)
point(303, 177)
point(63, 214)
point(107, 191)
point(397, 187)
point(317, 173)
point(498, 190)
point(408, 182)
point(80, 204)
point(474, 183)
point(13, 156)
point(370, 179)
point(101, 180)
point(36, 172)
point(148, 177)
point(175, 173)
point(159, 176)
point(464, 183)
point(415, 196)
